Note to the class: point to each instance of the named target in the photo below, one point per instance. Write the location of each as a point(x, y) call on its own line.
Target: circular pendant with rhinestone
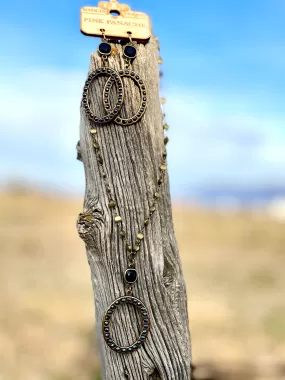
point(112, 113)
point(107, 323)
point(143, 104)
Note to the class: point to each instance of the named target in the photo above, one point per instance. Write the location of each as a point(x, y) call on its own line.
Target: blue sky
point(225, 90)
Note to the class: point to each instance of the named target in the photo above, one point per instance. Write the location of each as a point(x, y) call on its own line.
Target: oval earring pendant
point(111, 113)
point(107, 322)
point(143, 93)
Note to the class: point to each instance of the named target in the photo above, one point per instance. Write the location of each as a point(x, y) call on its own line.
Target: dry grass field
point(234, 268)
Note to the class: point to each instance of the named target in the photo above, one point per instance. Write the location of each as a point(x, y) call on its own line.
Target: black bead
point(130, 51)
point(131, 275)
point(105, 48)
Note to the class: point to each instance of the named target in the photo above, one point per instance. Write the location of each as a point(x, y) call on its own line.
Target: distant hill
point(239, 196)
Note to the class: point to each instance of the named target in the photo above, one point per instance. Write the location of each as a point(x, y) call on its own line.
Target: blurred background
point(224, 81)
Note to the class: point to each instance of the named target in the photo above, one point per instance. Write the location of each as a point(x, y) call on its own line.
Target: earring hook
point(130, 36)
point(103, 33)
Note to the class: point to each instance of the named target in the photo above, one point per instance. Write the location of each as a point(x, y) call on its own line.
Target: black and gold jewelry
point(104, 51)
point(144, 324)
point(132, 250)
point(143, 95)
point(114, 79)
point(130, 52)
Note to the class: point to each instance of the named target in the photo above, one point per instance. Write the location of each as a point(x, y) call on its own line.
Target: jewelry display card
point(116, 19)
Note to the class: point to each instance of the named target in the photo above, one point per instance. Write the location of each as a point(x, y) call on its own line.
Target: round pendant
point(112, 113)
point(107, 322)
point(143, 95)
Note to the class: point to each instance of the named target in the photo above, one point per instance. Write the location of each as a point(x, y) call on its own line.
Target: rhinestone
point(131, 276)
point(105, 48)
point(130, 51)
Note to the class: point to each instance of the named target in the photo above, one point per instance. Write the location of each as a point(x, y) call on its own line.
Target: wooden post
point(132, 157)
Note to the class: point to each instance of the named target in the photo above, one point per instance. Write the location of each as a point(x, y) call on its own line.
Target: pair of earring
point(105, 49)
point(115, 78)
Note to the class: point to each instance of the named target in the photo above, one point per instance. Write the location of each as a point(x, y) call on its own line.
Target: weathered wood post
point(132, 157)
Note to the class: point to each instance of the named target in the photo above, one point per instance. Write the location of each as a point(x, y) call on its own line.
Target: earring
point(130, 52)
point(105, 48)
point(104, 51)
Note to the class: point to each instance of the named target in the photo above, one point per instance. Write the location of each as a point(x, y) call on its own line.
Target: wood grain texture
point(132, 157)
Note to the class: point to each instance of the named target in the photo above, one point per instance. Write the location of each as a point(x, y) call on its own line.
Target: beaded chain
point(132, 251)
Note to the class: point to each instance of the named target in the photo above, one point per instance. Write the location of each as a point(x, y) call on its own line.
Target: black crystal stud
point(131, 276)
point(130, 51)
point(105, 48)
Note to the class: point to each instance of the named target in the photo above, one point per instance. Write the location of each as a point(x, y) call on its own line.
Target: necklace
point(130, 275)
